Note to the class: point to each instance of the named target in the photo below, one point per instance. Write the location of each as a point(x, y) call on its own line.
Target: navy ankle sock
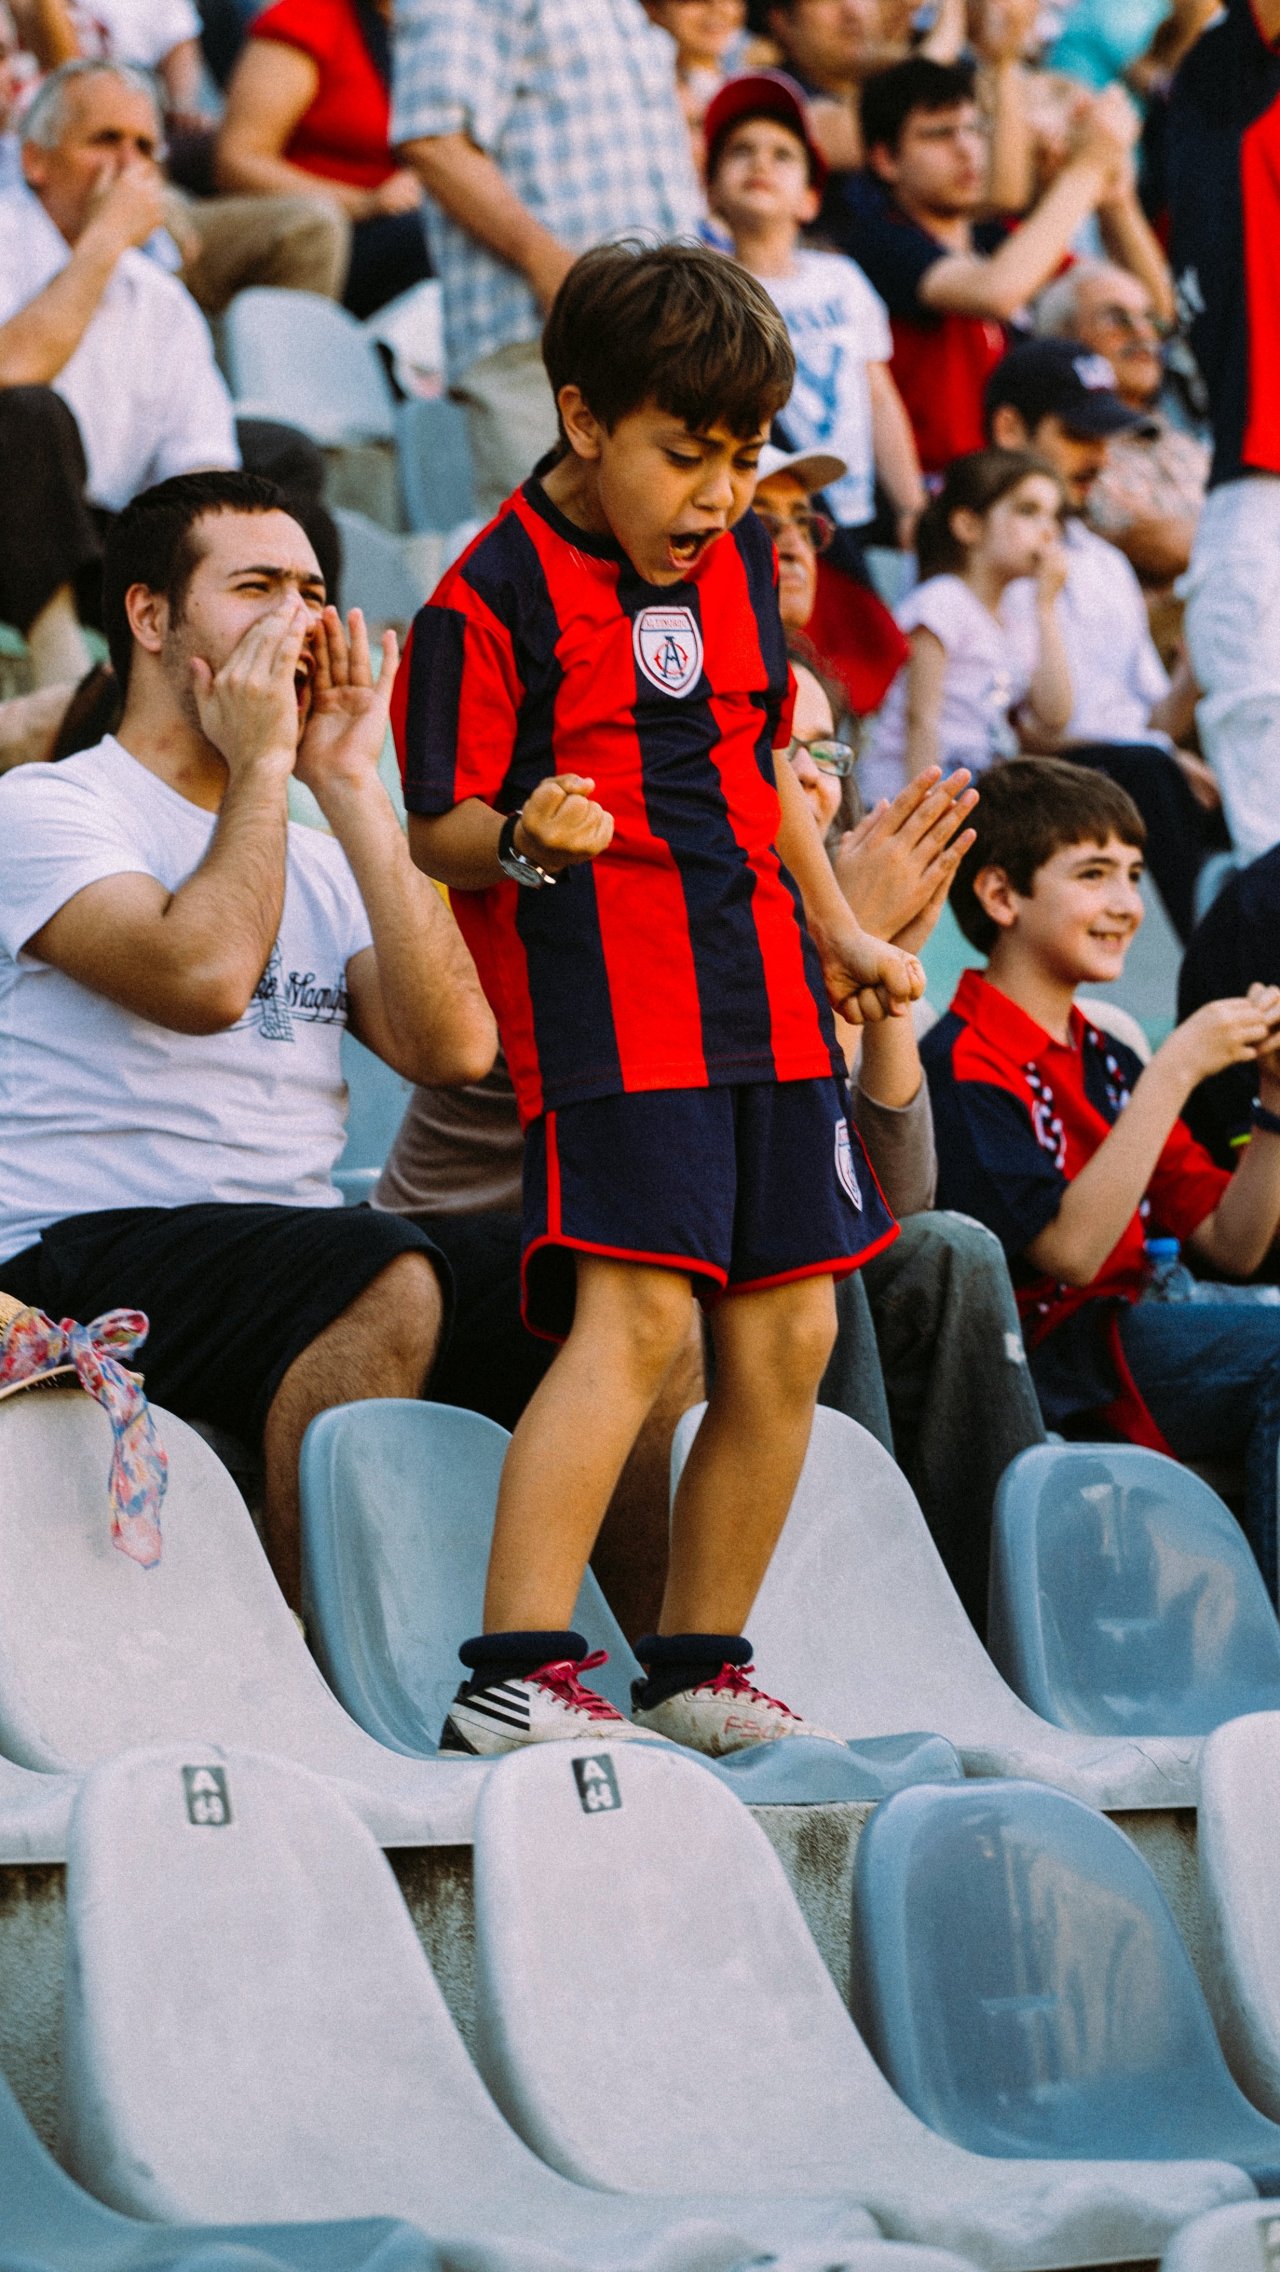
point(676, 1661)
point(491, 1657)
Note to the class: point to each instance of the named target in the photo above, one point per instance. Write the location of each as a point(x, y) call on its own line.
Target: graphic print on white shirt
point(837, 324)
point(101, 1108)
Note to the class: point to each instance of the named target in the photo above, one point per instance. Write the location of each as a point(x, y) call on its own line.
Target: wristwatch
point(517, 865)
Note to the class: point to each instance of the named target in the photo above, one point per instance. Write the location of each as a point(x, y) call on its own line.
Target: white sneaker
point(548, 1706)
point(725, 1714)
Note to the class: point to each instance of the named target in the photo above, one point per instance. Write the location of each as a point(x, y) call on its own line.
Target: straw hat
point(61, 1374)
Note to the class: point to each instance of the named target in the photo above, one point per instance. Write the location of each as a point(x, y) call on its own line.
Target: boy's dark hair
point(972, 483)
point(889, 97)
point(675, 324)
point(153, 542)
point(1029, 808)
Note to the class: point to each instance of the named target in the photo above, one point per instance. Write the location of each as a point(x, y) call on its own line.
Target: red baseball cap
point(762, 94)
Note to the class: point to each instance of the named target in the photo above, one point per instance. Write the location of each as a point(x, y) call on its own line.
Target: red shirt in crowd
point(344, 133)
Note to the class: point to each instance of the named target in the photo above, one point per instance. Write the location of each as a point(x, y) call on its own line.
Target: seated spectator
point(832, 47)
point(1126, 716)
point(177, 966)
point(308, 110)
point(950, 280)
point(1148, 496)
point(107, 376)
point(967, 696)
point(709, 37)
point(765, 177)
point(928, 1352)
point(1235, 946)
point(844, 624)
point(1073, 1153)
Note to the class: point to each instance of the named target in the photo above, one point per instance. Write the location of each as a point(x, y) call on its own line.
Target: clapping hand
point(896, 866)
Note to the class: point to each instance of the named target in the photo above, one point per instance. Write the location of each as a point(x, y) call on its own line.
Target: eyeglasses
point(829, 756)
point(816, 528)
point(1135, 323)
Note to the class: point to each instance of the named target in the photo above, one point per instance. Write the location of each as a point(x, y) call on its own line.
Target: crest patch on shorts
point(668, 648)
point(844, 1164)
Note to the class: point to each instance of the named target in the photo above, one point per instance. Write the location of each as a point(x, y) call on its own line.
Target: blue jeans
point(1210, 1374)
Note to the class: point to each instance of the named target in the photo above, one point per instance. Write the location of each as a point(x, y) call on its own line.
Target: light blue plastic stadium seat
point(1020, 1978)
point(376, 576)
point(302, 358)
point(397, 1517)
point(49, 2224)
point(261, 2035)
point(436, 475)
point(1243, 2237)
point(376, 1101)
point(1124, 1597)
point(688, 1958)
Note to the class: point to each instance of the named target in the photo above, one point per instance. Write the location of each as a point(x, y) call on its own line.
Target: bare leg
point(58, 647)
point(630, 1557)
point(382, 1344)
point(741, 1474)
point(573, 1438)
point(29, 724)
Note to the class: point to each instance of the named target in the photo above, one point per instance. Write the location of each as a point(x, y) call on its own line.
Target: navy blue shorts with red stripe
point(743, 1187)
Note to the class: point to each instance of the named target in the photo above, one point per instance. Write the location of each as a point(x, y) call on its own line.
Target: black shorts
point(233, 1293)
point(744, 1187)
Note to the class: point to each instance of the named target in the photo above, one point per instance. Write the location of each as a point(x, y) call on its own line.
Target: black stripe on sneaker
point(485, 1710)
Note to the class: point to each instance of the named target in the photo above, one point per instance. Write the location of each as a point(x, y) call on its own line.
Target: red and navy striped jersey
point(1224, 196)
point(679, 958)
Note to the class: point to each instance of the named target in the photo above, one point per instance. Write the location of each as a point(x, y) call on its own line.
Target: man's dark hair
point(154, 542)
point(889, 97)
point(673, 324)
point(1030, 807)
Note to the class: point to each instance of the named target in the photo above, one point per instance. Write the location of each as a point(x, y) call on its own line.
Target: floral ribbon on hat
point(32, 1346)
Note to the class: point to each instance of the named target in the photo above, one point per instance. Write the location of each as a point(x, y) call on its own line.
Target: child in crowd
point(710, 36)
point(663, 958)
point(962, 698)
point(1074, 1154)
point(765, 176)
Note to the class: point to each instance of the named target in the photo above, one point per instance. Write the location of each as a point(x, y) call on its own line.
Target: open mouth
point(302, 682)
point(688, 545)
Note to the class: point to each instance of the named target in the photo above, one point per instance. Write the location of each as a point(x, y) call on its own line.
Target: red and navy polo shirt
point(679, 958)
point(941, 358)
point(1224, 198)
point(1017, 1115)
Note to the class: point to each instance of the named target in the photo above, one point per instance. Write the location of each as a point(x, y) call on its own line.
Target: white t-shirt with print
point(837, 323)
point(986, 678)
point(100, 1108)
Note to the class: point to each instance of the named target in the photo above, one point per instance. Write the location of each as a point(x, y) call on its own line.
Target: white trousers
point(1232, 590)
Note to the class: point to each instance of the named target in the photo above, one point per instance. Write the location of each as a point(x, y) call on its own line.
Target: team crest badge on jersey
point(844, 1164)
point(668, 648)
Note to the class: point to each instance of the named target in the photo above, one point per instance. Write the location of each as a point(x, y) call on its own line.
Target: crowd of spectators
point(1024, 497)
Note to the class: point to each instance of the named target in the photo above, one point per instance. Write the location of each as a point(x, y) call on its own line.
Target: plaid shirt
point(575, 101)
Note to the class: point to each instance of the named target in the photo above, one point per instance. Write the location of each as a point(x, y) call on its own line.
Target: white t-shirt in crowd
point(838, 323)
point(142, 385)
point(100, 1108)
point(141, 32)
point(985, 679)
point(1116, 673)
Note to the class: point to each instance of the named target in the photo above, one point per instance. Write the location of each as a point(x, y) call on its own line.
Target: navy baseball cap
point(1058, 378)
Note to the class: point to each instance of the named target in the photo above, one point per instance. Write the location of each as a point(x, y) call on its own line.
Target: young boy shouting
point(1074, 1153)
point(587, 719)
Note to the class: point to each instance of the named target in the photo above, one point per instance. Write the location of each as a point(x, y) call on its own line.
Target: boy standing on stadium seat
point(660, 957)
point(1074, 1153)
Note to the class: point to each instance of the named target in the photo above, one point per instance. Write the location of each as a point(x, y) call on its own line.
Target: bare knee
point(779, 1342)
point(641, 1315)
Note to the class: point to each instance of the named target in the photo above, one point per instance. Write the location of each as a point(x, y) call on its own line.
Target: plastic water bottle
point(1166, 1279)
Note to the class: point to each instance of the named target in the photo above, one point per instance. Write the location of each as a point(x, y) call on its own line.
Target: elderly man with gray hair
point(107, 376)
point(1148, 496)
